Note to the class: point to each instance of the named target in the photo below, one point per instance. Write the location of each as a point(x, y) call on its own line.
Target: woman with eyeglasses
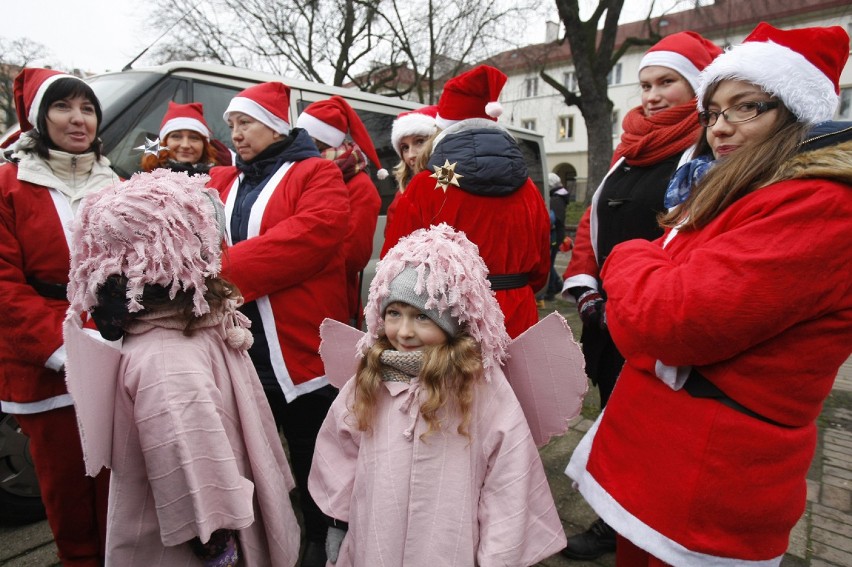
point(658, 135)
point(734, 324)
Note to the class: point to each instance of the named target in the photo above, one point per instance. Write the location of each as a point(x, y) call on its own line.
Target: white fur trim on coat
point(805, 90)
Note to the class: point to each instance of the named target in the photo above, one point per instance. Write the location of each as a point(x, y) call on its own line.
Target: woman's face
point(72, 124)
point(250, 137)
point(725, 138)
point(663, 88)
point(186, 145)
point(410, 147)
point(408, 329)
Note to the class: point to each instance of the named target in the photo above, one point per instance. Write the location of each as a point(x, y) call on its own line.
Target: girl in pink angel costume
point(425, 456)
point(199, 476)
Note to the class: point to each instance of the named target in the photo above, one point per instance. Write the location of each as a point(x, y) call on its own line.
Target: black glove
point(222, 550)
point(592, 308)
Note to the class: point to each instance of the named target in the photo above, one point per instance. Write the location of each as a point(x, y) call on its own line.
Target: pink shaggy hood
point(455, 280)
point(155, 228)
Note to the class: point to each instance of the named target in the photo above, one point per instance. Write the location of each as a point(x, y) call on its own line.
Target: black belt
point(508, 281)
point(49, 290)
point(698, 386)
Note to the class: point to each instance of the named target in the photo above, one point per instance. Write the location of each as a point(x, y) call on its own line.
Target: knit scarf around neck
point(348, 157)
point(401, 366)
point(650, 139)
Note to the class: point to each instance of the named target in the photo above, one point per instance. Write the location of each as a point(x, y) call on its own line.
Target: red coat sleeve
point(364, 205)
point(31, 244)
point(299, 234)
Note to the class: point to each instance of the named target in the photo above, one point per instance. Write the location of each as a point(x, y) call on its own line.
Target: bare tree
point(15, 54)
point(393, 46)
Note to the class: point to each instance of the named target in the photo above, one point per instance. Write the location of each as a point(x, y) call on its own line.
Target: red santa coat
point(364, 206)
point(292, 263)
point(511, 229)
point(34, 221)
point(759, 301)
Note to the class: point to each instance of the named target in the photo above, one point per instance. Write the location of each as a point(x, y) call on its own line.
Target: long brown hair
point(739, 174)
point(448, 377)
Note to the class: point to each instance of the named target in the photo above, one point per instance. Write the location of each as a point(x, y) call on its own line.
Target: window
point(528, 123)
point(615, 123)
point(569, 81)
point(532, 87)
point(565, 128)
point(844, 111)
point(614, 76)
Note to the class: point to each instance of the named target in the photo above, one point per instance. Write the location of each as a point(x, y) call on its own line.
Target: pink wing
point(546, 370)
point(91, 373)
point(338, 351)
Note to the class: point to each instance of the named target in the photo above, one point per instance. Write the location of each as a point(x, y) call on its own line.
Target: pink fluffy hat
point(161, 228)
point(452, 278)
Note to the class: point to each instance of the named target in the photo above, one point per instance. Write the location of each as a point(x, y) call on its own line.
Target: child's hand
point(221, 551)
point(332, 543)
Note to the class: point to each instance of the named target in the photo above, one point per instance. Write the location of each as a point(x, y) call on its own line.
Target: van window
point(215, 99)
point(379, 126)
point(140, 120)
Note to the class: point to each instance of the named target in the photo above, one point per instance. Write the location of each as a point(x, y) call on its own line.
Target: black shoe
point(592, 543)
point(314, 555)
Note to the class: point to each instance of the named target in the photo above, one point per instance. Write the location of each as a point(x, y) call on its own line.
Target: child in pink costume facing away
point(199, 476)
point(426, 453)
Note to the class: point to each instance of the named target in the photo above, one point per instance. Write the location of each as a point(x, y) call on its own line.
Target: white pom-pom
point(382, 173)
point(494, 109)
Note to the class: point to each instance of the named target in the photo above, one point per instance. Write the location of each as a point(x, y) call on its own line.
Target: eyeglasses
point(742, 112)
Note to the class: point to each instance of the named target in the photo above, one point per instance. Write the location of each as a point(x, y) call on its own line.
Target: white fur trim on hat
point(413, 124)
point(675, 61)
point(39, 96)
point(183, 123)
point(805, 90)
point(322, 131)
point(444, 123)
point(251, 108)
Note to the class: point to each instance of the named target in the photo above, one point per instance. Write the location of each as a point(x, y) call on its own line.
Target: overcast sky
point(97, 36)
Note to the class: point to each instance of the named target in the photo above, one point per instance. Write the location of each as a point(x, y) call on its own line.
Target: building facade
point(531, 103)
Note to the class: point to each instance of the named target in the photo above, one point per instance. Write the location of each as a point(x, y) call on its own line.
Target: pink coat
point(195, 449)
point(439, 501)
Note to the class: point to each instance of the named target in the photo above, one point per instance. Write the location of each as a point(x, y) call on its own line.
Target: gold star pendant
point(446, 175)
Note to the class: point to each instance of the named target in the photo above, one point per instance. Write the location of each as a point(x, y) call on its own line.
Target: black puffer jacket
point(490, 157)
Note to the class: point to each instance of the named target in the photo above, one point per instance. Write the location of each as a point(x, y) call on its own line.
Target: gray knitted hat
point(402, 289)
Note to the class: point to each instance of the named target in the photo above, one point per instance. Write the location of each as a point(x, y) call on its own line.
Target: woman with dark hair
point(52, 166)
point(734, 324)
point(187, 143)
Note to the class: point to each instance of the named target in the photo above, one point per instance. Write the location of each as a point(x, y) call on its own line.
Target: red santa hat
point(471, 95)
point(418, 122)
point(801, 67)
point(184, 117)
point(28, 90)
point(329, 120)
point(268, 103)
point(685, 52)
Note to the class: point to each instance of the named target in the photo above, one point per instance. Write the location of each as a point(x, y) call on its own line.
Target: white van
point(134, 103)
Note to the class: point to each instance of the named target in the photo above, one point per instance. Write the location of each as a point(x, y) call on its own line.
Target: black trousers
point(300, 421)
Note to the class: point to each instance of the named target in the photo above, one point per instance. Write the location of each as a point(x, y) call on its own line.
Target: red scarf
point(650, 139)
